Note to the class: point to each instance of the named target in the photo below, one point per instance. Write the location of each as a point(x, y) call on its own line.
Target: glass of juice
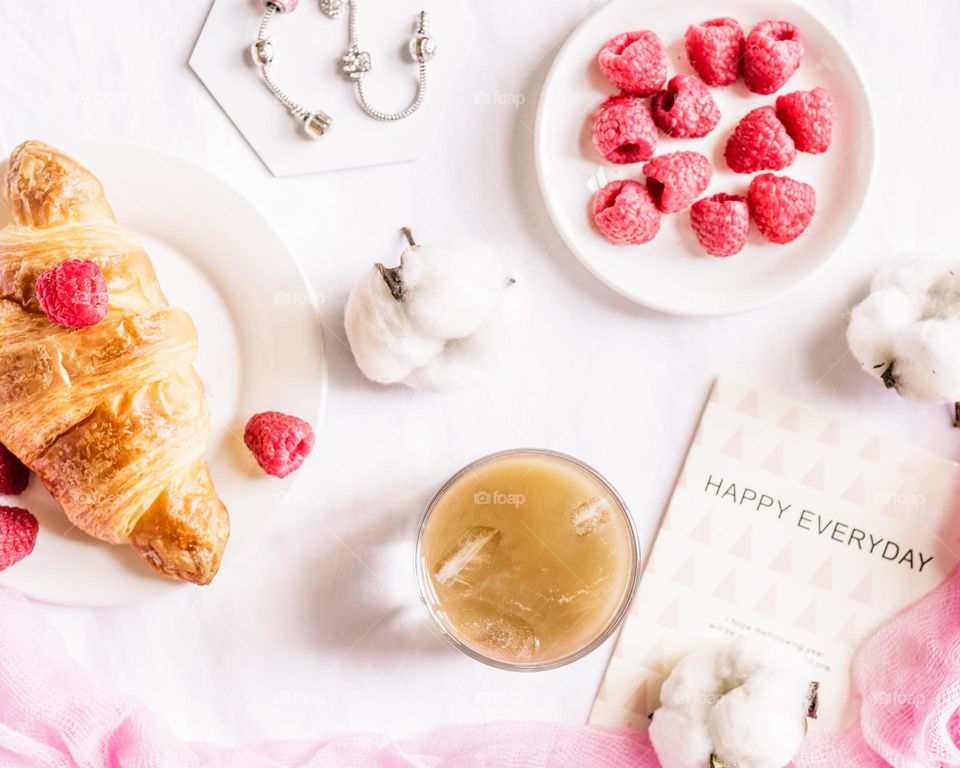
point(527, 559)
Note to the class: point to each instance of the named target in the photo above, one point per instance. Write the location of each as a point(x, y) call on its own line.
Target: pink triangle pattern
point(808, 618)
point(872, 450)
point(857, 492)
point(775, 461)
point(637, 702)
point(687, 574)
point(823, 578)
point(750, 404)
point(727, 590)
point(767, 605)
point(670, 618)
point(791, 420)
point(863, 592)
point(848, 634)
point(814, 477)
point(832, 434)
point(743, 547)
point(783, 563)
point(916, 464)
point(703, 531)
point(654, 658)
point(734, 446)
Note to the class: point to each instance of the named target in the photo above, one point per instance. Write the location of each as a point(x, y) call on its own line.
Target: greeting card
point(789, 524)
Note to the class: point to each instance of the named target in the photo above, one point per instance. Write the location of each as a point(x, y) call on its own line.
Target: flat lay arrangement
point(543, 521)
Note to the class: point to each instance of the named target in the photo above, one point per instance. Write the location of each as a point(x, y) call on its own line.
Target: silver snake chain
point(355, 63)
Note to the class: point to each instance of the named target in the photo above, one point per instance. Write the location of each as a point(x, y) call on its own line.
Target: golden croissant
point(112, 418)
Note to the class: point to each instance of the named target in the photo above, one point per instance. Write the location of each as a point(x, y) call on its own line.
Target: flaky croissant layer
point(112, 418)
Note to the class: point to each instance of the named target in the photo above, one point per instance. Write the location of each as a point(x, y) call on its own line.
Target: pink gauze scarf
point(53, 715)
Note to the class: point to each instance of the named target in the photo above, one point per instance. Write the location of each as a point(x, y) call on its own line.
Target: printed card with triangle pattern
point(790, 524)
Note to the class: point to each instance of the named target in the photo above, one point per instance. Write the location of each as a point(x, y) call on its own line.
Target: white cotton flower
point(907, 331)
point(435, 322)
point(742, 705)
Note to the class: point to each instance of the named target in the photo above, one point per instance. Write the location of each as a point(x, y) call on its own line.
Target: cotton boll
point(943, 297)
point(745, 702)
point(452, 289)
point(927, 362)
point(680, 739)
point(912, 276)
point(874, 324)
point(696, 680)
point(760, 725)
point(378, 331)
point(907, 331)
point(484, 349)
point(437, 321)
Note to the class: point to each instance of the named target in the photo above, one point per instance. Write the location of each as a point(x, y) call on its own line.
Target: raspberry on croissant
point(111, 417)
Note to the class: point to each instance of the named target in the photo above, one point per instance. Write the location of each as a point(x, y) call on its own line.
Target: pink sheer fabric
point(52, 715)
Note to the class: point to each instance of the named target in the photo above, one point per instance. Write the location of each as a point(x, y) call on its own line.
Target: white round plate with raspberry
point(261, 348)
point(672, 272)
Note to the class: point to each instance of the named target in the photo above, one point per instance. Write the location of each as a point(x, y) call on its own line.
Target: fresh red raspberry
point(771, 55)
point(278, 442)
point(14, 476)
point(721, 223)
point(780, 206)
point(635, 62)
point(623, 130)
point(808, 118)
point(73, 294)
point(759, 142)
point(715, 49)
point(18, 535)
point(685, 110)
point(677, 179)
point(625, 213)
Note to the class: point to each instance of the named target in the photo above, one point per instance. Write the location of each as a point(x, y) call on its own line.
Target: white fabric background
point(311, 633)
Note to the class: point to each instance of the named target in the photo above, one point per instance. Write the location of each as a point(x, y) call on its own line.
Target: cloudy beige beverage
point(527, 559)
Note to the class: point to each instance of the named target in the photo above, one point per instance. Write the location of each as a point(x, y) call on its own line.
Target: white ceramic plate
point(671, 273)
point(261, 348)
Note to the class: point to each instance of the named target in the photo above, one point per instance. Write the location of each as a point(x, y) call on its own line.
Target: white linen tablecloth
point(316, 629)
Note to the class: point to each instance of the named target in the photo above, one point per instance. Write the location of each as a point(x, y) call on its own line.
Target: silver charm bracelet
point(315, 123)
point(356, 64)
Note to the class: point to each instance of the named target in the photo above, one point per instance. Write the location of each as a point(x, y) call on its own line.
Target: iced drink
point(527, 559)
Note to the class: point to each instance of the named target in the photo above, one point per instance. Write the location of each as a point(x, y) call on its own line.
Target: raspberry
point(759, 142)
point(715, 49)
point(623, 130)
point(14, 476)
point(635, 62)
point(18, 534)
point(676, 180)
point(808, 118)
point(780, 206)
point(278, 442)
point(625, 213)
point(721, 223)
point(73, 294)
point(685, 109)
point(772, 53)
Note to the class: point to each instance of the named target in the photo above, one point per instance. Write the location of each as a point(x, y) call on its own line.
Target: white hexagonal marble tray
point(308, 46)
